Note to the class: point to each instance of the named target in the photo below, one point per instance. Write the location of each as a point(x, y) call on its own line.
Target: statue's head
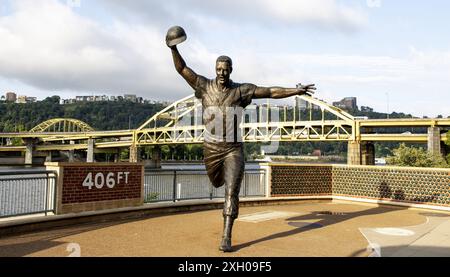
point(224, 67)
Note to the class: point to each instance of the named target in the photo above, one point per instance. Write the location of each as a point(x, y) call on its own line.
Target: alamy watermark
point(225, 126)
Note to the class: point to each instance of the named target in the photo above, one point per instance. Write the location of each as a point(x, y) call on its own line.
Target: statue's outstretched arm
point(279, 92)
point(180, 65)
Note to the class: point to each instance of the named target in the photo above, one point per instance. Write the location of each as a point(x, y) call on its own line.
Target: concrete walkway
point(431, 239)
point(298, 230)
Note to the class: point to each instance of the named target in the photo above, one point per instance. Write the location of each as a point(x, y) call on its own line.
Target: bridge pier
point(361, 153)
point(116, 155)
point(90, 151)
point(49, 157)
point(30, 144)
point(29, 154)
point(134, 154)
point(71, 153)
point(434, 141)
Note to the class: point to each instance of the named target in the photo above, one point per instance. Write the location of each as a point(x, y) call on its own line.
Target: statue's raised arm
point(175, 36)
point(279, 92)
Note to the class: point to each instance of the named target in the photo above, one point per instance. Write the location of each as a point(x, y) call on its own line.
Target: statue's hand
point(308, 89)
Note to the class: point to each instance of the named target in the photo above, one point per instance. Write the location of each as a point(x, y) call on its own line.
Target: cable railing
point(178, 185)
point(27, 193)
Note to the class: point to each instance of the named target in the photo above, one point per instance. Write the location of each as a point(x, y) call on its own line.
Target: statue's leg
point(234, 166)
point(214, 163)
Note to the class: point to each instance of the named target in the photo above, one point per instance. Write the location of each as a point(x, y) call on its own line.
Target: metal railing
point(27, 193)
point(177, 185)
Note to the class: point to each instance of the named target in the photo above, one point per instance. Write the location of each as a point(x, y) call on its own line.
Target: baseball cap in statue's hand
point(175, 35)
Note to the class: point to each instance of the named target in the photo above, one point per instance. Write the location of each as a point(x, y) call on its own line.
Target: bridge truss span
point(181, 123)
point(62, 125)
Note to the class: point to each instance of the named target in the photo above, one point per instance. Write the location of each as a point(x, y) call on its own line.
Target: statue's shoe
point(225, 245)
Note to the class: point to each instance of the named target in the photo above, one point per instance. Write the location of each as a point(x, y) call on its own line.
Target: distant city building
point(366, 109)
point(130, 97)
point(105, 98)
point(11, 97)
point(21, 99)
point(82, 98)
point(348, 103)
point(99, 98)
point(68, 101)
point(30, 99)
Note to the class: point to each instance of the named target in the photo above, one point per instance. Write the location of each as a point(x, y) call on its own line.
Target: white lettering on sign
point(100, 180)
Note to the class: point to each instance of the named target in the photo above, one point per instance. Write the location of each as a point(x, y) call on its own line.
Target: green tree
point(415, 157)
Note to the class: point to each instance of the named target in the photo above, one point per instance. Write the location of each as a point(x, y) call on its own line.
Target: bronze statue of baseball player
point(223, 151)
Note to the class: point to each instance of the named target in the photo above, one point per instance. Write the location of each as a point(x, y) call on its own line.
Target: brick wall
point(73, 190)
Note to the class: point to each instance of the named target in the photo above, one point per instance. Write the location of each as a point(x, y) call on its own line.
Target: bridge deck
point(307, 229)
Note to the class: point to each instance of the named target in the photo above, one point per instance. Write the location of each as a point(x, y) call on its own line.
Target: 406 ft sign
point(110, 179)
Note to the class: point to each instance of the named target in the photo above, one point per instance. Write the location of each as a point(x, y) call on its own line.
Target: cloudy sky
point(395, 52)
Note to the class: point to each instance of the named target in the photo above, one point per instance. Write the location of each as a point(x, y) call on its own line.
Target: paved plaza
point(309, 229)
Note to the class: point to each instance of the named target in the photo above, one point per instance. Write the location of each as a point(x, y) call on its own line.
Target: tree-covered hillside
point(100, 115)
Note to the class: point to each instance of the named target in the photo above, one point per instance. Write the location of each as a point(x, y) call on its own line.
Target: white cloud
point(326, 14)
point(47, 45)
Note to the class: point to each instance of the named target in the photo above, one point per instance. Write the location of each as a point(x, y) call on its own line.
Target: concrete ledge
point(35, 224)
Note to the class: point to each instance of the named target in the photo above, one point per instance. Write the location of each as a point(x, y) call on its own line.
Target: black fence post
point(47, 190)
point(174, 186)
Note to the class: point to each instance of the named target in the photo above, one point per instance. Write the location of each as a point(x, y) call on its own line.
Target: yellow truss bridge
point(181, 123)
point(63, 125)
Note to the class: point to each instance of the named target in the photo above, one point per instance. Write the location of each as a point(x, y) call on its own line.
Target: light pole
point(388, 112)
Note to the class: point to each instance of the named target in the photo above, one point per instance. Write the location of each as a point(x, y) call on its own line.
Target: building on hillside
point(11, 97)
point(130, 97)
point(21, 99)
point(82, 98)
point(366, 109)
point(30, 99)
point(348, 103)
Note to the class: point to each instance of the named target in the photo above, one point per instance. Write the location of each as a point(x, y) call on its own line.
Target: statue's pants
point(225, 166)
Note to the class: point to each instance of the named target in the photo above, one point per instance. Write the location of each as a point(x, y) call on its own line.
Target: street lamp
point(388, 112)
